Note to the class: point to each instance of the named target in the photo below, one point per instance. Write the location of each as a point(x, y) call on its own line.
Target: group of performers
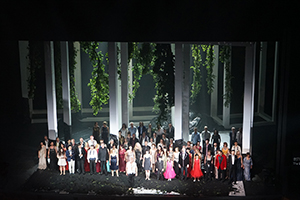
point(148, 153)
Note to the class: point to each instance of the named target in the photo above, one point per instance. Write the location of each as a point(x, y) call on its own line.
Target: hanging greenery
point(36, 60)
point(58, 78)
point(225, 53)
point(164, 76)
point(75, 103)
point(143, 60)
point(209, 64)
point(99, 81)
point(196, 85)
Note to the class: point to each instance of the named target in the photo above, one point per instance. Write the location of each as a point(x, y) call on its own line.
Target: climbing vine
point(196, 85)
point(58, 78)
point(164, 76)
point(225, 53)
point(36, 60)
point(209, 64)
point(99, 81)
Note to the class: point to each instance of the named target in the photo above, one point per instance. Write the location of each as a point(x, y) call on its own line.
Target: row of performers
point(170, 163)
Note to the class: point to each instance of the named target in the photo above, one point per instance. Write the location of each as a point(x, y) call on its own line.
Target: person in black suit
point(80, 158)
point(133, 140)
point(159, 167)
point(184, 162)
point(231, 166)
point(232, 135)
point(170, 131)
point(103, 158)
point(206, 147)
point(141, 129)
point(155, 138)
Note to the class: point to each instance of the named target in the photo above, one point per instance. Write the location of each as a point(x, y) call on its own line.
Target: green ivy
point(164, 76)
point(225, 53)
point(196, 85)
point(58, 78)
point(99, 81)
point(36, 60)
point(209, 64)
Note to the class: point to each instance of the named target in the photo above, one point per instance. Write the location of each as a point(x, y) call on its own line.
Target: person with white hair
point(132, 129)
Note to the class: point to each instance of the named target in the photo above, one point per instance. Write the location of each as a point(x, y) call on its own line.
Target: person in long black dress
point(216, 138)
point(104, 132)
point(96, 132)
point(208, 166)
point(147, 164)
point(114, 161)
point(239, 166)
point(52, 156)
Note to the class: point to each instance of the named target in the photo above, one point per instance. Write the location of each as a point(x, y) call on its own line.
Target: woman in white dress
point(61, 155)
point(153, 157)
point(42, 156)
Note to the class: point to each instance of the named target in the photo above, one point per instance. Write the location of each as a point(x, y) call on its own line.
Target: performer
point(225, 149)
point(92, 141)
point(147, 164)
point(98, 165)
point(231, 165)
point(191, 160)
point(209, 165)
point(122, 163)
point(129, 153)
point(247, 166)
point(131, 171)
point(169, 173)
point(153, 151)
point(159, 166)
point(239, 166)
point(183, 162)
point(205, 134)
point(124, 130)
point(103, 158)
point(170, 131)
point(104, 132)
point(141, 129)
point(52, 156)
point(80, 158)
point(216, 138)
point(232, 135)
point(114, 161)
point(176, 161)
point(96, 132)
point(70, 154)
point(92, 158)
point(196, 169)
point(221, 164)
point(86, 163)
point(62, 161)
point(121, 138)
point(138, 155)
point(42, 156)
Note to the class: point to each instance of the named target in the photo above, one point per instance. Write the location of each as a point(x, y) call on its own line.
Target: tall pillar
point(214, 94)
point(186, 92)
point(226, 110)
point(65, 75)
point(248, 98)
point(24, 62)
point(77, 72)
point(124, 83)
point(50, 90)
point(119, 90)
point(178, 90)
point(113, 90)
point(130, 82)
point(262, 76)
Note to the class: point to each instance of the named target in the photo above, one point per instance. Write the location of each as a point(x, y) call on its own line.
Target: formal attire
point(231, 165)
point(183, 162)
point(206, 148)
point(147, 163)
point(143, 139)
point(209, 167)
point(71, 160)
point(141, 130)
point(124, 132)
point(239, 169)
point(104, 134)
point(92, 158)
point(170, 132)
point(239, 138)
point(80, 159)
point(196, 171)
point(103, 157)
point(232, 135)
point(247, 164)
point(236, 148)
point(53, 158)
point(176, 160)
point(221, 164)
point(131, 170)
point(86, 164)
point(92, 143)
point(113, 162)
point(138, 155)
point(195, 138)
point(132, 142)
point(42, 160)
point(96, 133)
point(122, 163)
point(61, 160)
point(216, 139)
point(205, 136)
point(169, 173)
point(214, 151)
point(159, 167)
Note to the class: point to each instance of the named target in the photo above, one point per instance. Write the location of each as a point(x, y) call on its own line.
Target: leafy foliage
point(36, 60)
point(209, 64)
point(164, 76)
point(225, 53)
point(99, 81)
point(196, 85)
point(58, 78)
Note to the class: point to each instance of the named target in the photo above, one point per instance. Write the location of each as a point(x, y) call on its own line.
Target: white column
point(214, 94)
point(130, 82)
point(113, 84)
point(248, 98)
point(119, 91)
point(186, 92)
point(178, 90)
point(65, 75)
point(124, 83)
point(77, 72)
point(50, 90)
point(226, 110)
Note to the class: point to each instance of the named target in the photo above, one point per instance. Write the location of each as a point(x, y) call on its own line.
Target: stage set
point(237, 86)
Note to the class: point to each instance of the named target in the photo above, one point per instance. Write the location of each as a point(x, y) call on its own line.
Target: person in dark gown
point(114, 161)
point(216, 138)
point(52, 156)
point(96, 132)
point(122, 163)
point(86, 164)
point(239, 167)
point(104, 132)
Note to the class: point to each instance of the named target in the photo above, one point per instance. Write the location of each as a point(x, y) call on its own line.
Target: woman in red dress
point(86, 164)
point(122, 163)
point(196, 172)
